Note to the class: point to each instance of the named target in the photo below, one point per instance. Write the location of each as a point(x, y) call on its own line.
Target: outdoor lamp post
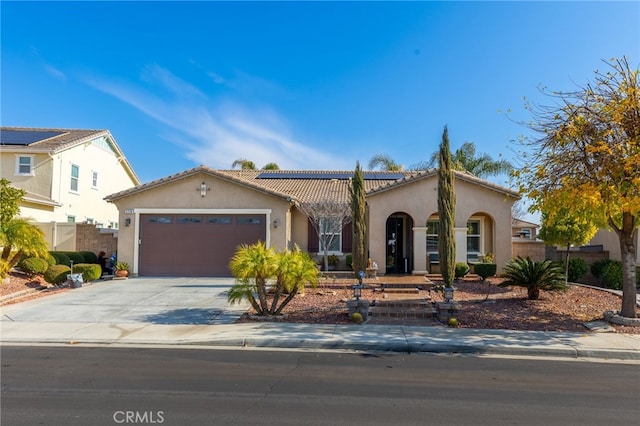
point(357, 291)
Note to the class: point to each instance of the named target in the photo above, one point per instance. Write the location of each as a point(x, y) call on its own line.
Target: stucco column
point(461, 244)
point(419, 250)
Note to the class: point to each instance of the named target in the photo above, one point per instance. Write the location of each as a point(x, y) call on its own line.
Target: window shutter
point(313, 244)
point(347, 238)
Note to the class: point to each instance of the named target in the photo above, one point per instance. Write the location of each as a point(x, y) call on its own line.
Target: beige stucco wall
point(183, 195)
point(611, 243)
point(419, 200)
point(52, 177)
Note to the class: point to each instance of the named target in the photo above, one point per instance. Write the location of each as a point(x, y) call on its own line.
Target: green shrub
point(485, 270)
point(612, 275)
point(598, 267)
point(89, 256)
point(61, 258)
point(89, 271)
point(75, 257)
point(51, 260)
point(333, 260)
point(462, 269)
point(578, 268)
point(349, 260)
point(33, 266)
point(57, 274)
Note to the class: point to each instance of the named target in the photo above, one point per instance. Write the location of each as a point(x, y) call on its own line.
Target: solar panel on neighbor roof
point(25, 137)
point(328, 175)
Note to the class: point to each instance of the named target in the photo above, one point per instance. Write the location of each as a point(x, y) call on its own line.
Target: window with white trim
point(473, 237)
point(330, 234)
point(75, 176)
point(94, 179)
point(24, 165)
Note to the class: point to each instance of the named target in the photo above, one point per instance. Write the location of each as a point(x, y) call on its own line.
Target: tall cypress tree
point(446, 212)
point(359, 220)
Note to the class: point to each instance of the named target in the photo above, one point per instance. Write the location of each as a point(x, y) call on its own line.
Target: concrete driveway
point(135, 300)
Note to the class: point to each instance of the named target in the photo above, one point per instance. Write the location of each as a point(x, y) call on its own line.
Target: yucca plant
point(534, 276)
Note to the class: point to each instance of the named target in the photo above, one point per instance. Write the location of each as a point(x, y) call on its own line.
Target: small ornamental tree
point(327, 217)
point(564, 227)
point(18, 236)
point(587, 153)
point(359, 220)
point(446, 213)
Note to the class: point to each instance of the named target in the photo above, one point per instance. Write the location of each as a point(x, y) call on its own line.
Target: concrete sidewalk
point(195, 311)
point(349, 337)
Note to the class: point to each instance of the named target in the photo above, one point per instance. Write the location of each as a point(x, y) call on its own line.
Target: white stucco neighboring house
point(610, 242)
point(192, 222)
point(66, 173)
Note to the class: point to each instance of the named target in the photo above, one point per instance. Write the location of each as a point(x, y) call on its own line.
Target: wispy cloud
point(215, 132)
point(55, 72)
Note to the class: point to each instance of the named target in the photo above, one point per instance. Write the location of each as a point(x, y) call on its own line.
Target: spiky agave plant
point(534, 276)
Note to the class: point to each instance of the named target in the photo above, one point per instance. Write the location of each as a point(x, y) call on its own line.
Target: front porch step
point(425, 286)
point(408, 290)
point(388, 312)
point(403, 303)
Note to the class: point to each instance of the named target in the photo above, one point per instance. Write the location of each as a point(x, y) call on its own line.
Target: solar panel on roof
point(328, 175)
point(25, 137)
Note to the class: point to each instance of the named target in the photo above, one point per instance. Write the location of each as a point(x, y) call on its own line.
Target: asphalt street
point(103, 385)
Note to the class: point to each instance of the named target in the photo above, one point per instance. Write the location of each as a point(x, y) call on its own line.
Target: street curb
point(339, 344)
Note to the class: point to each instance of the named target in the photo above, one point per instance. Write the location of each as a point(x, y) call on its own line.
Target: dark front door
point(399, 244)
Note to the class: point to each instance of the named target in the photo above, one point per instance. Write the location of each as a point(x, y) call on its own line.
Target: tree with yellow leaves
point(587, 159)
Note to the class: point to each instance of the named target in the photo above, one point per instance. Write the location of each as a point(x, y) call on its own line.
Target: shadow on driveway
point(191, 316)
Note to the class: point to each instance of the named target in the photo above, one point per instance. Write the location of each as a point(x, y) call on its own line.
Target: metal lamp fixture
point(203, 189)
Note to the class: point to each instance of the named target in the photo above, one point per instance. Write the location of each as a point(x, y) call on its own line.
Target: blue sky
point(306, 85)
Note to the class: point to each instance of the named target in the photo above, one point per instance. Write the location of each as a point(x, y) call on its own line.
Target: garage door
point(194, 245)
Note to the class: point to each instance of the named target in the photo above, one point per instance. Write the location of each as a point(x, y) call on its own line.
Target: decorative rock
point(614, 318)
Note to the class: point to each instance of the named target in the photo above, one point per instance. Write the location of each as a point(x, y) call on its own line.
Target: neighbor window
point(94, 179)
point(75, 174)
point(24, 165)
point(71, 219)
point(330, 234)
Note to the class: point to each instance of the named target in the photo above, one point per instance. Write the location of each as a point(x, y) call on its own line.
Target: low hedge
point(462, 269)
point(485, 270)
point(57, 274)
point(61, 258)
point(89, 271)
point(89, 256)
point(578, 268)
point(33, 266)
point(75, 257)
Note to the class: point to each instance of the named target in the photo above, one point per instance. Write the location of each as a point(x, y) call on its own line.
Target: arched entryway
point(399, 237)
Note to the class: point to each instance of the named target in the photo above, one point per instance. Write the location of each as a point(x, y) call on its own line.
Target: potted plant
point(122, 269)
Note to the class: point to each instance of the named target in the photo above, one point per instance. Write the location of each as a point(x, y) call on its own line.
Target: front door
point(399, 259)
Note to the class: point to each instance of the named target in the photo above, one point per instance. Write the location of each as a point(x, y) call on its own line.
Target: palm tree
point(250, 165)
point(385, 162)
point(244, 164)
point(19, 237)
point(482, 165)
point(534, 276)
point(254, 265)
point(271, 166)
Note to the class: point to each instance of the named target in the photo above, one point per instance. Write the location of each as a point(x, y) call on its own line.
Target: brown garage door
point(194, 245)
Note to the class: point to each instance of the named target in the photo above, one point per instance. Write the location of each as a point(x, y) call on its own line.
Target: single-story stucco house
point(190, 223)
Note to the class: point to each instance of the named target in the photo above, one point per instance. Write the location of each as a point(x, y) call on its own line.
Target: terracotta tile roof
point(304, 185)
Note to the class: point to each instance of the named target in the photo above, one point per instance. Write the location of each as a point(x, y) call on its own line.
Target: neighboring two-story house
point(66, 173)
